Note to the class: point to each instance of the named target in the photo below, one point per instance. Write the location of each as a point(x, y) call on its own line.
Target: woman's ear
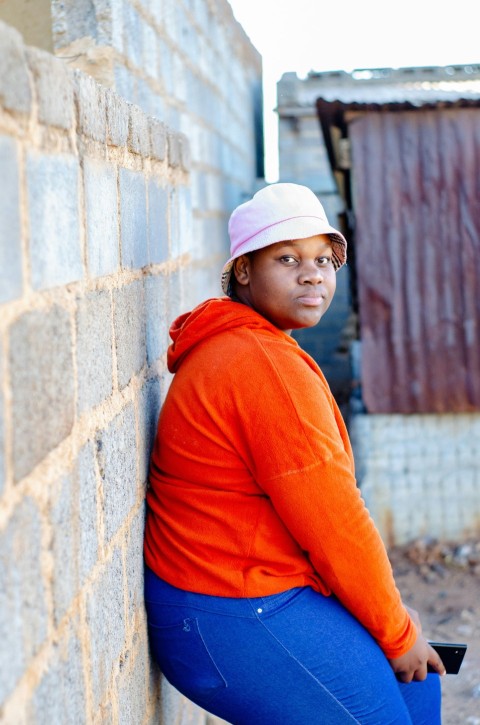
point(241, 269)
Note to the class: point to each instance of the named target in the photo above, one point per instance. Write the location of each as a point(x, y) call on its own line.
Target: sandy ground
point(442, 582)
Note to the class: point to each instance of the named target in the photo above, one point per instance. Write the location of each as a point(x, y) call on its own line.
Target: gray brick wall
point(23, 610)
point(133, 219)
point(94, 349)
point(129, 326)
point(168, 58)
point(2, 426)
point(116, 456)
point(52, 183)
point(106, 625)
point(101, 210)
point(42, 385)
point(60, 695)
point(103, 242)
point(10, 252)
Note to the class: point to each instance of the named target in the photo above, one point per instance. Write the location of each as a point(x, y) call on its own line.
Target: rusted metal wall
point(416, 193)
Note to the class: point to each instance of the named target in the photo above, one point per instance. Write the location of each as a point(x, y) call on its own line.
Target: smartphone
point(451, 654)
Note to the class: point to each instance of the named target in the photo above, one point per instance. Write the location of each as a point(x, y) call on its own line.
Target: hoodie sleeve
point(301, 458)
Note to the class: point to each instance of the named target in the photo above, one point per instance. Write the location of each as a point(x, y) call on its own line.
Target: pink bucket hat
point(274, 214)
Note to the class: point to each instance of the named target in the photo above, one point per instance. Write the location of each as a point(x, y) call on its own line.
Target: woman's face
point(290, 283)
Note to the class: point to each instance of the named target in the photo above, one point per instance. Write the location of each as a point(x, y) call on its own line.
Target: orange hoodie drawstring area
point(252, 488)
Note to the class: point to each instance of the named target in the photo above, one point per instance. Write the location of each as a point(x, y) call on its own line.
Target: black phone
point(451, 654)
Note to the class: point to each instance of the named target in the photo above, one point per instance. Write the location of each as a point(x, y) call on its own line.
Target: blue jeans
point(295, 658)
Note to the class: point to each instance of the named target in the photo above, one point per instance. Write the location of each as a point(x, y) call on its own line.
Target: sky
point(304, 35)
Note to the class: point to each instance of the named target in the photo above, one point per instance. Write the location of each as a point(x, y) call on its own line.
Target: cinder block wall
point(189, 63)
point(97, 256)
point(419, 474)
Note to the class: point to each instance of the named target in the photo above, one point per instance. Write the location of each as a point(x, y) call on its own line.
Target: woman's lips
point(311, 300)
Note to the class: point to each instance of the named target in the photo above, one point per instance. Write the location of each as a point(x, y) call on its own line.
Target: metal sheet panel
point(416, 192)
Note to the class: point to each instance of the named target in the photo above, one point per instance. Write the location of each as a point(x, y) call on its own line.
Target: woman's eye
point(287, 259)
point(324, 261)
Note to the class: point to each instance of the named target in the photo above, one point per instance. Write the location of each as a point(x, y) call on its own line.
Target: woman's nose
point(310, 273)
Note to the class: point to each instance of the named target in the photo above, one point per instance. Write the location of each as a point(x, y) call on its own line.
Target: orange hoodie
point(252, 488)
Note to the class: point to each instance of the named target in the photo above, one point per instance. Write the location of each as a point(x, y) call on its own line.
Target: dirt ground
point(442, 582)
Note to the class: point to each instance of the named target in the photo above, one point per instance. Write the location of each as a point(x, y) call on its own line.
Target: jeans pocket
point(185, 660)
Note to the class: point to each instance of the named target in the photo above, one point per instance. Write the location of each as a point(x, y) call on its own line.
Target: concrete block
point(173, 117)
point(60, 694)
point(23, 611)
point(174, 221)
point(124, 83)
point(2, 425)
point(159, 107)
point(132, 685)
point(41, 373)
point(158, 139)
point(106, 623)
point(87, 510)
point(148, 412)
point(148, 99)
point(54, 87)
point(157, 324)
point(133, 219)
point(65, 546)
point(185, 219)
point(175, 295)
point(185, 155)
point(134, 567)
point(166, 65)
point(10, 231)
point(117, 118)
point(94, 349)
point(179, 79)
point(52, 184)
point(15, 91)
point(92, 107)
point(133, 35)
point(170, 19)
point(111, 25)
point(74, 530)
point(199, 192)
point(104, 714)
point(150, 51)
point(101, 206)
point(157, 222)
point(173, 144)
point(73, 19)
point(116, 456)
point(139, 134)
point(129, 326)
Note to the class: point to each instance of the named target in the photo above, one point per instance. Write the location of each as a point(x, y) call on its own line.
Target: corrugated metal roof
point(414, 87)
point(417, 93)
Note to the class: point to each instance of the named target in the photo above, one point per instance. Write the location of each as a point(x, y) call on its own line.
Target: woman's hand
point(413, 664)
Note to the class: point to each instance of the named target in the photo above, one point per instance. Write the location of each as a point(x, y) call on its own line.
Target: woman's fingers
point(434, 661)
point(413, 665)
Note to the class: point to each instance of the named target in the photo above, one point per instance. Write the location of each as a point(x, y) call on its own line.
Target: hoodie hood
point(210, 318)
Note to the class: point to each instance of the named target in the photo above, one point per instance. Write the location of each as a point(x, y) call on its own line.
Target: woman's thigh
point(292, 659)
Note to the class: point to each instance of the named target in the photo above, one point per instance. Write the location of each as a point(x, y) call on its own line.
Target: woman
point(269, 594)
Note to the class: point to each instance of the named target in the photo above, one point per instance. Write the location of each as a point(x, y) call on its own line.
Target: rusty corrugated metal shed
point(415, 193)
